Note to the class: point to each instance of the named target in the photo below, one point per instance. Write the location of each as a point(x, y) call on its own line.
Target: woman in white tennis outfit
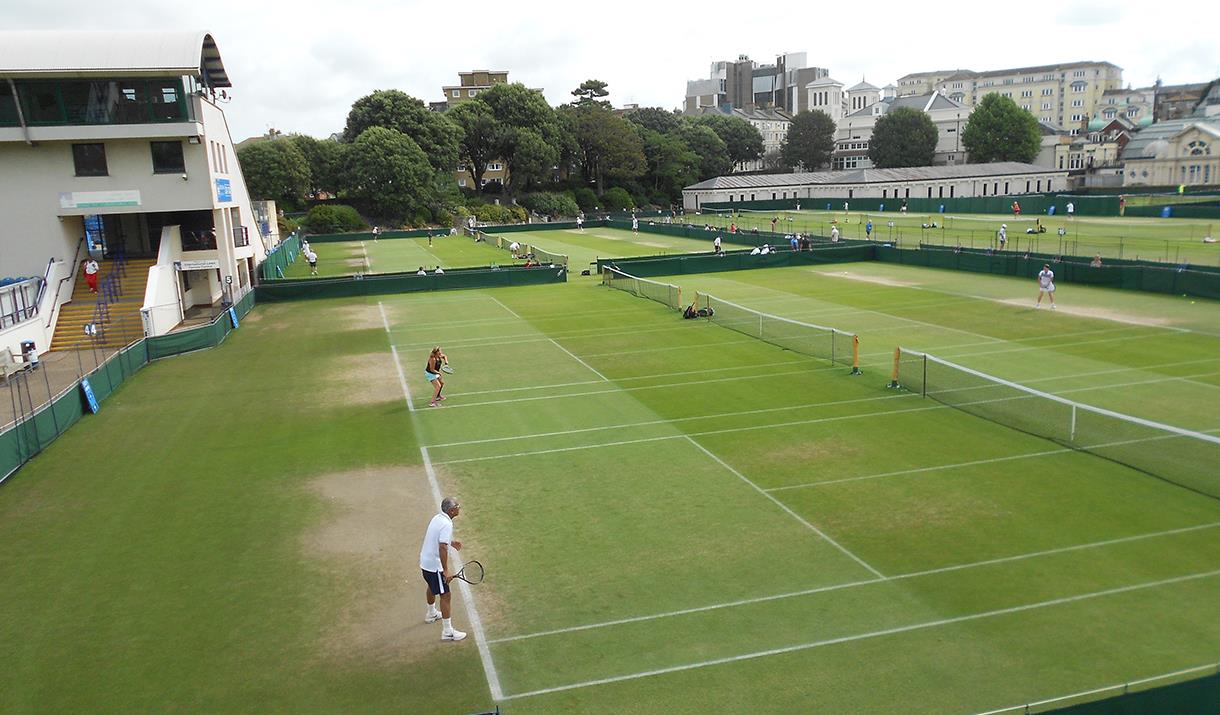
point(1046, 285)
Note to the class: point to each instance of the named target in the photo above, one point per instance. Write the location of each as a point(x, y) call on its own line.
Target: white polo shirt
point(440, 531)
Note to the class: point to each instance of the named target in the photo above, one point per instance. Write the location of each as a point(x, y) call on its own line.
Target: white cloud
point(300, 66)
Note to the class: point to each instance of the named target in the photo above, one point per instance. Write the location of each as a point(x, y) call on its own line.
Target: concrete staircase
point(124, 324)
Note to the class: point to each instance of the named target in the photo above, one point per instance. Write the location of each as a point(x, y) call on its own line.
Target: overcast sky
point(299, 66)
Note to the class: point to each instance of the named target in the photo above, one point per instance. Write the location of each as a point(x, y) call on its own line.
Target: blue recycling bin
point(942, 208)
point(1050, 210)
point(1166, 211)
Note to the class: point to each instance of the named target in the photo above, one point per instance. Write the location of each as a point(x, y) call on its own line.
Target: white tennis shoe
point(454, 635)
point(432, 616)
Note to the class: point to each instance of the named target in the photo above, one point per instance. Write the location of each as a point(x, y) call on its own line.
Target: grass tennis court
point(389, 255)
point(674, 517)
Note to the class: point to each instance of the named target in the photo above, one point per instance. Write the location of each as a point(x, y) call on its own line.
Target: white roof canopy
point(85, 54)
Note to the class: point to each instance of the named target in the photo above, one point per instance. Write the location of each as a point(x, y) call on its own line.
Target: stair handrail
point(71, 276)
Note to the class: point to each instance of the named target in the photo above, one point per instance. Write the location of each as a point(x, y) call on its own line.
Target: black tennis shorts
point(436, 582)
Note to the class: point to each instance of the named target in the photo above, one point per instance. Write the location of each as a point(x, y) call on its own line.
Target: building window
point(1048, 93)
point(1078, 87)
point(456, 92)
point(90, 159)
point(1077, 117)
point(1132, 112)
point(462, 182)
point(1027, 93)
point(167, 158)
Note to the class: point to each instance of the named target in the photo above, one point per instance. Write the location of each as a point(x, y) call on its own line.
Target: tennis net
point(527, 251)
point(1176, 455)
point(666, 294)
point(817, 341)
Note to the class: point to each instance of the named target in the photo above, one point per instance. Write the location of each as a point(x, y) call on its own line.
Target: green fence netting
point(388, 283)
point(1196, 281)
point(650, 266)
point(1035, 203)
point(36, 428)
point(368, 235)
point(275, 265)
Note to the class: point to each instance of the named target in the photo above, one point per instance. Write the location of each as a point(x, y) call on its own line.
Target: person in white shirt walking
point(1046, 285)
point(434, 564)
point(716, 245)
point(91, 270)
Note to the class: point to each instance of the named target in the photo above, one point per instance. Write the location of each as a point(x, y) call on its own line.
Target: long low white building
point(945, 182)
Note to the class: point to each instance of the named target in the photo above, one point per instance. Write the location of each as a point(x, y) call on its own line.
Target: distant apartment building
point(1064, 95)
point(744, 83)
point(854, 131)
point(1176, 101)
point(1177, 151)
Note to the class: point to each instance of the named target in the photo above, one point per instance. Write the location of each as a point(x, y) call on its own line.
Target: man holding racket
point(434, 563)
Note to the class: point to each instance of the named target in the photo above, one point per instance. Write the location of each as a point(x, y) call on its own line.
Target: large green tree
point(713, 153)
point(325, 159)
point(810, 141)
point(999, 130)
point(742, 139)
point(482, 136)
point(523, 114)
point(389, 173)
point(275, 169)
point(656, 119)
point(607, 146)
point(672, 165)
point(903, 137)
point(433, 132)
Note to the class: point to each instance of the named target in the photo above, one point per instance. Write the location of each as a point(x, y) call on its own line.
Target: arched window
point(1198, 148)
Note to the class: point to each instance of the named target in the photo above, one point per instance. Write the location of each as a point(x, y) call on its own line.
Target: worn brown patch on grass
point(1086, 311)
point(369, 541)
point(880, 280)
point(363, 379)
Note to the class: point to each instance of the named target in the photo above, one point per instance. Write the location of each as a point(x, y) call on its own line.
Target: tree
point(325, 160)
point(903, 137)
point(519, 109)
point(392, 109)
point(810, 141)
point(999, 130)
point(275, 169)
point(713, 153)
point(671, 164)
point(482, 136)
point(656, 119)
point(389, 172)
point(607, 145)
point(744, 142)
point(590, 92)
point(532, 159)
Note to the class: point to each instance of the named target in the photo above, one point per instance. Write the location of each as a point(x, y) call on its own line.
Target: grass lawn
point(674, 517)
point(1152, 239)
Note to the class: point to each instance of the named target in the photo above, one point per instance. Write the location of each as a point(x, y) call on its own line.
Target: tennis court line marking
point(694, 434)
point(786, 508)
point(582, 362)
point(402, 379)
point(472, 611)
point(855, 584)
point(638, 377)
point(367, 267)
point(510, 310)
point(662, 421)
point(873, 634)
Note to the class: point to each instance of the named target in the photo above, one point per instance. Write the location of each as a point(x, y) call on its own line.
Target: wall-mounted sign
point(98, 199)
point(201, 265)
point(224, 190)
point(90, 398)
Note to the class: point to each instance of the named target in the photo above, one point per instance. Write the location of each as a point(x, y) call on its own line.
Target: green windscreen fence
point(1199, 281)
point(1031, 203)
point(679, 264)
point(389, 283)
point(38, 425)
point(275, 265)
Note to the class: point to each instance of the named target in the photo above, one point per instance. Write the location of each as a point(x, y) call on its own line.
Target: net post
point(1073, 429)
point(894, 375)
point(923, 390)
point(855, 355)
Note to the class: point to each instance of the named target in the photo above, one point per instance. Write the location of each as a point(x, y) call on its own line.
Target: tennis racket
point(446, 369)
point(471, 573)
